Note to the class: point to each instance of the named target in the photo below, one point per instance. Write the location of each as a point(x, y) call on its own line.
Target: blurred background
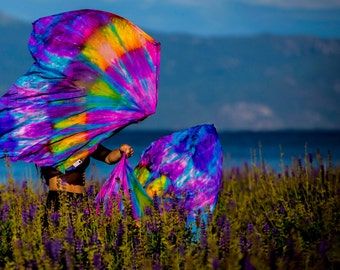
point(264, 72)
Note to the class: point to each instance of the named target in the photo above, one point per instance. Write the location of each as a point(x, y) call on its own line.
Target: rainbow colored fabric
point(94, 73)
point(123, 183)
point(188, 164)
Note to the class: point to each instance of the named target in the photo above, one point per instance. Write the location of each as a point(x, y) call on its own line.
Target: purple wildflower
point(181, 250)
point(250, 228)
point(155, 202)
point(148, 211)
point(55, 216)
point(79, 246)
point(68, 260)
point(54, 250)
point(249, 244)
point(97, 261)
point(156, 262)
point(32, 211)
point(221, 222)
point(24, 216)
point(94, 240)
point(30, 264)
point(136, 244)
point(74, 203)
point(290, 248)
point(231, 204)
point(248, 265)
point(282, 210)
point(181, 210)
point(108, 207)
point(286, 172)
point(154, 225)
point(215, 263)
point(275, 232)
point(5, 212)
point(119, 238)
point(242, 243)
point(70, 235)
point(266, 228)
point(224, 239)
point(90, 190)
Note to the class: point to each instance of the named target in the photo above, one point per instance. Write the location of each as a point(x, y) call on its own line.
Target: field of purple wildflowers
point(264, 219)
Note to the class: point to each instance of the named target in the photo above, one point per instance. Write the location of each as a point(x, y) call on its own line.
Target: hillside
point(260, 82)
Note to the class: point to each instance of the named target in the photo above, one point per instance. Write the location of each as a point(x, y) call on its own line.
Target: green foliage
point(263, 219)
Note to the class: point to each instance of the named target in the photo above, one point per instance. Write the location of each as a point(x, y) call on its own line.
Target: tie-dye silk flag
point(187, 164)
point(122, 183)
point(94, 74)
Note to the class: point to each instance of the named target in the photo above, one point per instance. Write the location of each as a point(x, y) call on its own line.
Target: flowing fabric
point(123, 183)
point(186, 163)
point(94, 74)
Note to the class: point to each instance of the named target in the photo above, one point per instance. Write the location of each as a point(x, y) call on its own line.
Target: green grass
point(263, 220)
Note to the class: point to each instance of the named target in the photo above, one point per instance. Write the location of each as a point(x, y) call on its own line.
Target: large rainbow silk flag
point(93, 74)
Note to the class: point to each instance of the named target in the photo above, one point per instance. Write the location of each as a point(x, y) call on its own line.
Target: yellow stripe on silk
point(103, 48)
point(127, 35)
point(68, 142)
point(157, 186)
point(108, 44)
point(79, 119)
point(102, 88)
point(142, 175)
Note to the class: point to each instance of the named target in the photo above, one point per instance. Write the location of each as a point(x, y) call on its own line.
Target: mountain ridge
point(258, 82)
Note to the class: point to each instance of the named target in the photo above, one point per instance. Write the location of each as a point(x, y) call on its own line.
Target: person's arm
point(111, 157)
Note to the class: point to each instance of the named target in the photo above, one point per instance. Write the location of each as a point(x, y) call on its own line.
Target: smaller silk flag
point(187, 163)
point(123, 183)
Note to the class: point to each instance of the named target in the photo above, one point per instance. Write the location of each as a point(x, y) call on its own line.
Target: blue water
point(238, 147)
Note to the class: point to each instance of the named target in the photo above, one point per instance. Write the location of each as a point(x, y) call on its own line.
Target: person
point(72, 182)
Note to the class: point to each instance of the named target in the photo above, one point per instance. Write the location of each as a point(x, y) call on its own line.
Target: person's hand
point(127, 149)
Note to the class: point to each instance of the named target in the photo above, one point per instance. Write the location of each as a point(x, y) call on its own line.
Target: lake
point(238, 148)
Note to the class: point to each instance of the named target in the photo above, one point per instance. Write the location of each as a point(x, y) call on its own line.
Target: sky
point(202, 17)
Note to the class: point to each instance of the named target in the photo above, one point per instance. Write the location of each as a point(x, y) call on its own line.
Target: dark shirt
point(75, 176)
